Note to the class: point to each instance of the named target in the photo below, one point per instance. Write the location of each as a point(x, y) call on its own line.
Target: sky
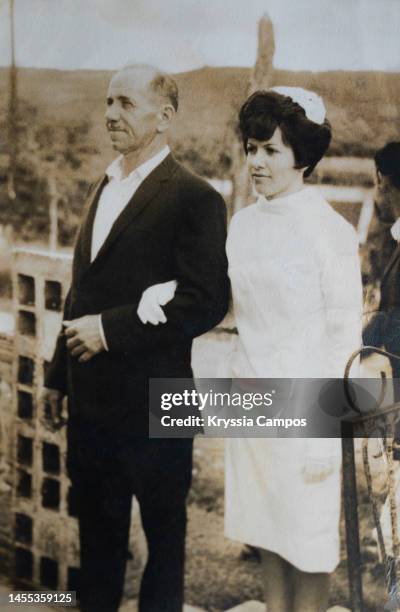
point(179, 35)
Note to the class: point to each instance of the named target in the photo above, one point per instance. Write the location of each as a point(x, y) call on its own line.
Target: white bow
point(311, 102)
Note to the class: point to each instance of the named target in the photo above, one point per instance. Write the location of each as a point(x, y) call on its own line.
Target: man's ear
point(166, 115)
point(378, 177)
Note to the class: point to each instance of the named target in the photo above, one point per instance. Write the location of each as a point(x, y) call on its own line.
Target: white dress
point(297, 296)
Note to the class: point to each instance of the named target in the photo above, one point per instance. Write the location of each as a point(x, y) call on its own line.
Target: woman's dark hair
point(264, 111)
point(387, 161)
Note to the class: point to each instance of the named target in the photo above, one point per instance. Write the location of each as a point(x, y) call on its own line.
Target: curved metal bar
point(350, 488)
point(350, 362)
point(372, 500)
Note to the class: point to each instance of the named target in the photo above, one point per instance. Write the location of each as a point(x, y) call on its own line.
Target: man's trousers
point(106, 471)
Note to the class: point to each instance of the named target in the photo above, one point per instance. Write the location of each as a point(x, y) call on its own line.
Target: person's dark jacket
point(174, 227)
point(384, 327)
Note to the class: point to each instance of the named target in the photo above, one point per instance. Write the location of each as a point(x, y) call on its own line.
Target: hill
point(362, 106)
point(63, 144)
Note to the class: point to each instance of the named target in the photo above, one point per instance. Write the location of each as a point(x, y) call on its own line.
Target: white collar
point(114, 170)
point(395, 230)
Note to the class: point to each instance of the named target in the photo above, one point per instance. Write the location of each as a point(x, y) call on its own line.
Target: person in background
point(379, 242)
point(383, 330)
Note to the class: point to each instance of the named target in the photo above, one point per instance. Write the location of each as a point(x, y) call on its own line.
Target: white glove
point(149, 309)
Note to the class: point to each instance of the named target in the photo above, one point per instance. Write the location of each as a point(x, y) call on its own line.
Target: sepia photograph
point(200, 200)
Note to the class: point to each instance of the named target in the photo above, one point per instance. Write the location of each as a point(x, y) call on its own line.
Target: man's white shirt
point(113, 199)
point(116, 195)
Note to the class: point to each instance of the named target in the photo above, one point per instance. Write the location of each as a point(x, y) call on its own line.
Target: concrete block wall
point(44, 529)
point(6, 420)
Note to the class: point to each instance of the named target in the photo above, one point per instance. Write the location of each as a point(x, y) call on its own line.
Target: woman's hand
point(149, 309)
point(317, 470)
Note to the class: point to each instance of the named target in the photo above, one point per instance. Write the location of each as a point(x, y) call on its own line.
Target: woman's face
point(271, 166)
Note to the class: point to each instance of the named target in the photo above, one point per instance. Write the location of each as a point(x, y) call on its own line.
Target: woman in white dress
point(296, 286)
point(297, 295)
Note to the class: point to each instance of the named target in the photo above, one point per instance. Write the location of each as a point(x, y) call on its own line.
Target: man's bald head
point(141, 105)
point(154, 80)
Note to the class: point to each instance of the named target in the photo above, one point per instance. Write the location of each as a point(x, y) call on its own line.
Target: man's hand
point(83, 337)
point(149, 309)
point(53, 398)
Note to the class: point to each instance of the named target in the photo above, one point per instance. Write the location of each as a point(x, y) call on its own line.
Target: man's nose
point(111, 113)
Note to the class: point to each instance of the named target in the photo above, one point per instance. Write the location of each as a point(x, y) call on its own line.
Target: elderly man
point(148, 220)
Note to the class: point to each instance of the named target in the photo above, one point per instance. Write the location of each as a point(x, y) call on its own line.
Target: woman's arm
point(341, 288)
point(342, 298)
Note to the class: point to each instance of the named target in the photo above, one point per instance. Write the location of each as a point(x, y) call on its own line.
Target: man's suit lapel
point(147, 191)
point(87, 225)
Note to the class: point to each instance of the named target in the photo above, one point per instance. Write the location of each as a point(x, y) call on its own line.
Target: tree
point(50, 177)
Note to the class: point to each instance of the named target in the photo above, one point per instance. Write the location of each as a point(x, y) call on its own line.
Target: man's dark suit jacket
point(390, 283)
point(384, 328)
point(389, 307)
point(174, 227)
